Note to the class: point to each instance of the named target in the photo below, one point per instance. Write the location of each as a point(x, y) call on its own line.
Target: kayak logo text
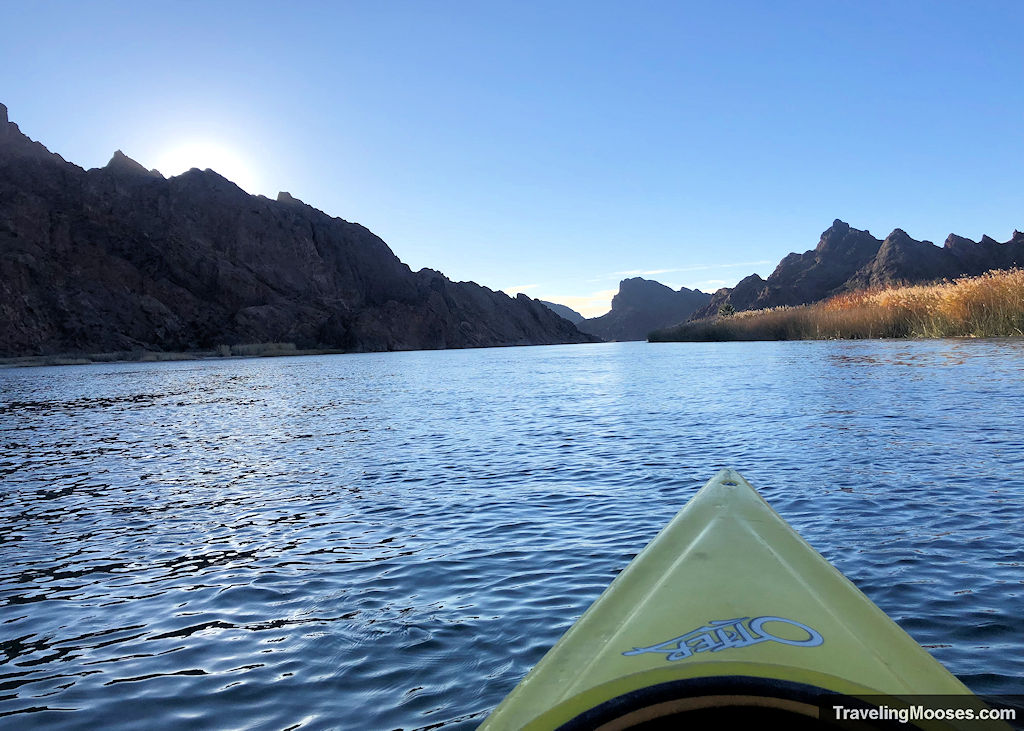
point(727, 634)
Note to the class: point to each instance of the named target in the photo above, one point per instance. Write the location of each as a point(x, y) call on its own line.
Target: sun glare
point(204, 154)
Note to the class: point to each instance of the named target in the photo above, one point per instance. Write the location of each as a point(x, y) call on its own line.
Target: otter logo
point(727, 634)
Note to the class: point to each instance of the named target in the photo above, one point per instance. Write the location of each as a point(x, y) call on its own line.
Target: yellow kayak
point(726, 615)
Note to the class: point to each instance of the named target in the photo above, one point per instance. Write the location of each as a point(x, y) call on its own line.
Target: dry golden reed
point(990, 305)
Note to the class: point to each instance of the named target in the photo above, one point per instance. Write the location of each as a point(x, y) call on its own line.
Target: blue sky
point(554, 147)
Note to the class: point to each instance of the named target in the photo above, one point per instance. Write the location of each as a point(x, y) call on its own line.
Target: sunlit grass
point(990, 305)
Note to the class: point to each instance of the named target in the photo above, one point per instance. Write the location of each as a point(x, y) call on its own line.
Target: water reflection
point(392, 540)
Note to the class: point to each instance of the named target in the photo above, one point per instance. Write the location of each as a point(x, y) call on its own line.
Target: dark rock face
point(119, 258)
point(818, 273)
point(977, 258)
point(902, 259)
point(846, 259)
point(642, 306)
point(741, 297)
point(563, 311)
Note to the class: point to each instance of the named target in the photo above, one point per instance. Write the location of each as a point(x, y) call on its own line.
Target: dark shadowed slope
point(563, 311)
point(119, 258)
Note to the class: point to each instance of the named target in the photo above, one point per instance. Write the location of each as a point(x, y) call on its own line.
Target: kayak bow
point(727, 611)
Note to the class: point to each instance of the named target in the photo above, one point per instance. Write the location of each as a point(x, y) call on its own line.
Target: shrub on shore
point(990, 305)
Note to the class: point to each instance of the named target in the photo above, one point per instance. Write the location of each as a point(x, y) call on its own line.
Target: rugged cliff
point(119, 258)
point(641, 306)
point(847, 259)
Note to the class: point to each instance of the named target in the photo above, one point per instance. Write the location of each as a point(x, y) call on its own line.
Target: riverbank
point(248, 350)
point(990, 305)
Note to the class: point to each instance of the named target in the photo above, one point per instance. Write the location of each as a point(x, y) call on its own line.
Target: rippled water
point(392, 540)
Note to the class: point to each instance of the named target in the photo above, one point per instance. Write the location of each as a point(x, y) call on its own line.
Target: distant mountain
point(119, 258)
point(641, 306)
point(847, 259)
point(562, 311)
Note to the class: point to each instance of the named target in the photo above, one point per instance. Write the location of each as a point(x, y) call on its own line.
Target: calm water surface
point(392, 540)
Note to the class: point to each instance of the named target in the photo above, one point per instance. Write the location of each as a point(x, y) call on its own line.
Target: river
point(392, 540)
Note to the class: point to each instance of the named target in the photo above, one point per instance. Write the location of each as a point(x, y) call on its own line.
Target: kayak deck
point(727, 604)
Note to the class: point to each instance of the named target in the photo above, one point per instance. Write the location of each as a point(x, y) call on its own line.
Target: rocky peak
point(840, 238)
point(957, 243)
point(741, 297)
point(288, 199)
point(836, 232)
point(634, 285)
point(208, 182)
point(902, 258)
point(121, 163)
point(642, 305)
point(15, 143)
point(898, 238)
point(639, 292)
point(979, 257)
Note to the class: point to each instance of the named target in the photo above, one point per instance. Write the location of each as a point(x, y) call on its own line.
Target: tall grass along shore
point(987, 306)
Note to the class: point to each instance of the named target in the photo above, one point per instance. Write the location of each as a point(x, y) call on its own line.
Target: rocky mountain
point(846, 259)
point(642, 305)
point(119, 258)
point(563, 311)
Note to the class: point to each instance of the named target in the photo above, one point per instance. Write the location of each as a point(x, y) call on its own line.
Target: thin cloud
point(701, 268)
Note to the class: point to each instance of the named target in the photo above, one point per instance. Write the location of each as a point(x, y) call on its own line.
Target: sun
point(218, 156)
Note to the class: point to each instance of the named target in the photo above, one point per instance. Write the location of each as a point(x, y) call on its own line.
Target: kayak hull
point(727, 607)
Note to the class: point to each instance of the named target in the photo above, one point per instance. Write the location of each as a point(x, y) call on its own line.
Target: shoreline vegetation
point(248, 350)
point(986, 306)
point(221, 352)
